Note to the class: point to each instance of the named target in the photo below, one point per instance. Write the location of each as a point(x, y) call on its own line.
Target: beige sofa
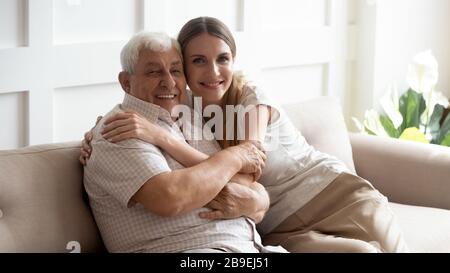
point(43, 208)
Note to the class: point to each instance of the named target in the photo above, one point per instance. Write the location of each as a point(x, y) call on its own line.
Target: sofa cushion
point(41, 203)
point(321, 122)
point(425, 229)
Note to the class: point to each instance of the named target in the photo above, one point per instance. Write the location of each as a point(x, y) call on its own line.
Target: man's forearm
point(261, 202)
point(194, 187)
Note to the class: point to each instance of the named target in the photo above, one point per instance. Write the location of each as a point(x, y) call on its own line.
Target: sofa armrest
point(406, 172)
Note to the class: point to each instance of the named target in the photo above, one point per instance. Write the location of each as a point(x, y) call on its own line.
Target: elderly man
point(142, 199)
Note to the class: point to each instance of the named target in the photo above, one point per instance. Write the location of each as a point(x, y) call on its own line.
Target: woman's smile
point(212, 84)
point(209, 67)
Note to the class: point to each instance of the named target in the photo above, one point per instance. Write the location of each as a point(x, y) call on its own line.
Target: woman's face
point(209, 67)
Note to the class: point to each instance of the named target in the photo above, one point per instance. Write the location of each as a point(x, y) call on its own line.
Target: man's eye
point(176, 72)
point(153, 72)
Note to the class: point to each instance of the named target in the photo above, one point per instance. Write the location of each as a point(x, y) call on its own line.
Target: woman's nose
point(214, 68)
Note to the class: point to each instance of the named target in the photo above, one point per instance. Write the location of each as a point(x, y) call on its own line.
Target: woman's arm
point(181, 151)
point(128, 125)
point(256, 122)
point(250, 198)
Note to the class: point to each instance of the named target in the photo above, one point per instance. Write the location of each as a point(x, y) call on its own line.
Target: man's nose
point(168, 81)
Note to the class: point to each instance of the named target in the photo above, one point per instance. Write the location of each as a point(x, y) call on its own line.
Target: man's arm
point(180, 191)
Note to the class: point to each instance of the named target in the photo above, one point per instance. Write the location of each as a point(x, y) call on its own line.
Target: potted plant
point(419, 114)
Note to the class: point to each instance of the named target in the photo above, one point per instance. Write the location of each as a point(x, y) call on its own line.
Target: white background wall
point(391, 32)
point(59, 59)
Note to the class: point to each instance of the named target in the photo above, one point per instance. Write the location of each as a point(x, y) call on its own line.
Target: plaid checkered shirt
point(116, 171)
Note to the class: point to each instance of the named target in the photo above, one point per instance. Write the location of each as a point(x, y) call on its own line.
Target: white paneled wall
point(178, 12)
point(71, 103)
point(291, 14)
point(87, 21)
point(287, 83)
point(13, 110)
point(391, 32)
point(12, 23)
point(59, 59)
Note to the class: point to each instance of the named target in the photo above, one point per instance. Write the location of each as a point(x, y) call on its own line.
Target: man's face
point(158, 78)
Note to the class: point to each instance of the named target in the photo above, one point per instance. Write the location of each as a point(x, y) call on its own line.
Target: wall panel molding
point(61, 64)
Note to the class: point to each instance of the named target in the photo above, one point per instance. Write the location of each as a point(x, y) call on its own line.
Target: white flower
point(390, 104)
point(439, 98)
point(372, 123)
point(423, 72)
point(358, 125)
point(431, 99)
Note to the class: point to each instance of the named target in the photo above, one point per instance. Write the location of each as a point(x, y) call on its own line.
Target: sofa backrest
point(42, 208)
point(321, 122)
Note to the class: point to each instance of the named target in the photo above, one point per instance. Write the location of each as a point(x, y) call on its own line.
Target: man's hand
point(252, 156)
point(232, 202)
point(236, 200)
point(243, 179)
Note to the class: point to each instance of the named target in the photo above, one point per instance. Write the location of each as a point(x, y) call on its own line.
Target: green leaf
point(422, 105)
point(389, 126)
point(446, 141)
point(411, 106)
point(369, 131)
point(434, 125)
point(445, 129)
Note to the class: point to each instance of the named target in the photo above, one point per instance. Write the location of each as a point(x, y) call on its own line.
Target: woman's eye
point(223, 59)
point(198, 61)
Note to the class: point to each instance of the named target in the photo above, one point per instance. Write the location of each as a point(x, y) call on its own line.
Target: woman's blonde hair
point(218, 29)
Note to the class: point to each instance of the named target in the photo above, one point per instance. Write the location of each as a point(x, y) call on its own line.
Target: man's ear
point(124, 79)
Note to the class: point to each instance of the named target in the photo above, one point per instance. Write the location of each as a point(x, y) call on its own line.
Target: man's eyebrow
point(177, 63)
point(152, 64)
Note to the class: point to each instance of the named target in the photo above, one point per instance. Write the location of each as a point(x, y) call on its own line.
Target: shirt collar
point(150, 111)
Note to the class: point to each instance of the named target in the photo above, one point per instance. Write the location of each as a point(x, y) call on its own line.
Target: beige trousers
point(349, 215)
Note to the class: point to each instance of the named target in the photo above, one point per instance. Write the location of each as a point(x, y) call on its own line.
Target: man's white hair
point(155, 41)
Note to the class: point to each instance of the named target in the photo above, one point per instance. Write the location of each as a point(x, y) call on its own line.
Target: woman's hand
point(86, 148)
point(252, 156)
point(126, 125)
